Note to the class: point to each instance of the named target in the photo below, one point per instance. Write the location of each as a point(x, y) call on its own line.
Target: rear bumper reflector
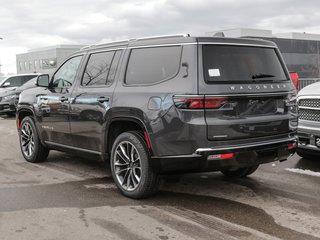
point(220, 156)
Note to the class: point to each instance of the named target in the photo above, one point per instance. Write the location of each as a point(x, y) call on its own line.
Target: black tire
point(307, 154)
point(241, 172)
point(135, 178)
point(35, 152)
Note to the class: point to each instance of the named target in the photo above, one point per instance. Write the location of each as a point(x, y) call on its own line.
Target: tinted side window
point(113, 68)
point(151, 65)
point(27, 78)
point(14, 81)
point(97, 69)
point(66, 74)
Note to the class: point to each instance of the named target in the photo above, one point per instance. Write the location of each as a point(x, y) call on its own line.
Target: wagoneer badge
point(258, 87)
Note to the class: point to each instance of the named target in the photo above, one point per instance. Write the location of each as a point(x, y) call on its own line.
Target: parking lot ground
point(69, 197)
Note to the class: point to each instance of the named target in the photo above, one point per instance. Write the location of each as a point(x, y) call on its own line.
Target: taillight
point(214, 102)
point(198, 102)
point(295, 79)
point(292, 145)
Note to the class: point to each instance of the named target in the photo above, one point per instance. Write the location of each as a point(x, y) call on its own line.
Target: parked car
point(165, 104)
point(309, 121)
point(9, 98)
point(15, 81)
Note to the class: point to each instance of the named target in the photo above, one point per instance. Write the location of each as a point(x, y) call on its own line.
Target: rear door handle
point(63, 99)
point(103, 99)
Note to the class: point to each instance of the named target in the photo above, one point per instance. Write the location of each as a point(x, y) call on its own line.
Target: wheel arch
point(22, 113)
point(124, 124)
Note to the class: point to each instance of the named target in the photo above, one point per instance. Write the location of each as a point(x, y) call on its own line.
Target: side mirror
point(43, 80)
point(6, 84)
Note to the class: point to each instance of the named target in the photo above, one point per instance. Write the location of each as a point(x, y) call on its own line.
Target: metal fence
point(303, 82)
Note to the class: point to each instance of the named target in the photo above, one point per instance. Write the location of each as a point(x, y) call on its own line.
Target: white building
point(44, 60)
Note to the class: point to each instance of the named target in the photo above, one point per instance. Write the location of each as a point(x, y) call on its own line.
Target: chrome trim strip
point(73, 148)
point(235, 44)
point(262, 94)
point(105, 49)
point(126, 42)
point(162, 45)
point(309, 108)
point(189, 96)
point(308, 97)
point(201, 43)
point(163, 36)
point(236, 95)
point(307, 121)
point(199, 150)
point(107, 44)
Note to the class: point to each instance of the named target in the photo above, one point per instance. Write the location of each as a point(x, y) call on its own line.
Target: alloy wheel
point(127, 166)
point(27, 139)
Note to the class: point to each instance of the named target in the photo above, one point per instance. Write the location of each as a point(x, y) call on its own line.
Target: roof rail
point(123, 42)
point(86, 47)
point(164, 36)
point(113, 43)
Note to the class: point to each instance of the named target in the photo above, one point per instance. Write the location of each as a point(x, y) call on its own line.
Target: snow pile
point(305, 172)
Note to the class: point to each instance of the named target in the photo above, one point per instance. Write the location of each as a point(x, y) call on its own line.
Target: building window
point(20, 66)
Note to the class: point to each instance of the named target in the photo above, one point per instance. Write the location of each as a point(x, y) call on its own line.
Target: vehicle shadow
point(86, 166)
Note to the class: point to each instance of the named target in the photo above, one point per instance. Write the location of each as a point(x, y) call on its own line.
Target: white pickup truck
point(309, 121)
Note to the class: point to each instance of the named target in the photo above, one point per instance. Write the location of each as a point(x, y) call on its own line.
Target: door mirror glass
point(43, 80)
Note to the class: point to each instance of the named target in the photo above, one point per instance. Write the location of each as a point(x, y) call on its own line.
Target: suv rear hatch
point(247, 91)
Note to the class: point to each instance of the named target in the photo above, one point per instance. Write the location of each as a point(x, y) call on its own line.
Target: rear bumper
point(243, 156)
point(308, 141)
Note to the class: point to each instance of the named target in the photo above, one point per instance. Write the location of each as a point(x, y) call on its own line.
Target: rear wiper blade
point(261, 75)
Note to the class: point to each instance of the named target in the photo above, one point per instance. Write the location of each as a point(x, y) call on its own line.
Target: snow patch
point(305, 172)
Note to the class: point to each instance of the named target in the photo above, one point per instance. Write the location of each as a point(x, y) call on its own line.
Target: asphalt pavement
point(69, 197)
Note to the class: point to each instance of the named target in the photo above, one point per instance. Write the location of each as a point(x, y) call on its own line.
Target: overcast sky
point(39, 23)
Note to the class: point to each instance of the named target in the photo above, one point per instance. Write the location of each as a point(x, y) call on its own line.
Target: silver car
point(309, 121)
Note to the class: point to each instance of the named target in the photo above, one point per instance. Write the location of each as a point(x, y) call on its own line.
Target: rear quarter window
point(152, 65)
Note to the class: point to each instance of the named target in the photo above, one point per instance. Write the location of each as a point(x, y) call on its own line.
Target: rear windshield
point(241, 64)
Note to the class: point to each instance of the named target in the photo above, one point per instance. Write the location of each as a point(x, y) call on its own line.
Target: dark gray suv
point(165, 104)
